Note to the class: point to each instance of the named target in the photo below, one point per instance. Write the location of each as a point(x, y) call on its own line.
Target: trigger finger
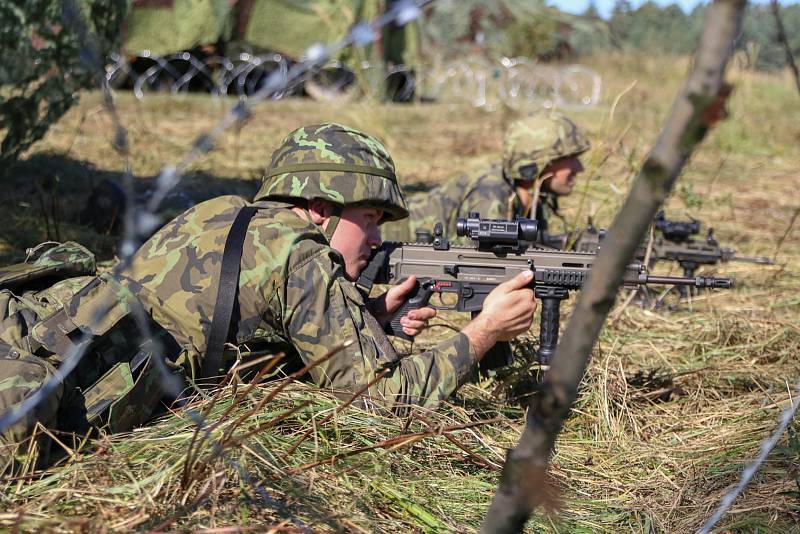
point(416, 325)
point(421, 314)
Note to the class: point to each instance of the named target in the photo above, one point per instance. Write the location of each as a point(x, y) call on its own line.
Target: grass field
point(673, 406)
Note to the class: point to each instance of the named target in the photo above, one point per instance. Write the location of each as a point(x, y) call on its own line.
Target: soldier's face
point(355, 236)
point(562, 173)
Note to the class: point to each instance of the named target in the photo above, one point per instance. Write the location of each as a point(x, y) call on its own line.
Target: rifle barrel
point(761, 260)
point(696, 281)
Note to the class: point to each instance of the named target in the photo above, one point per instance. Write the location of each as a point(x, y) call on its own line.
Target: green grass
point(673, 406)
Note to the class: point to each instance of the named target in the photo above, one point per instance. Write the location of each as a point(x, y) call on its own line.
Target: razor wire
point(749, 472)
point(140, 222)
point(257, 78)
point(73, 357)
point(518, 83)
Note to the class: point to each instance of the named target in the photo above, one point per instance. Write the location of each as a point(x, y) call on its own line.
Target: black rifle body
point(675, 243)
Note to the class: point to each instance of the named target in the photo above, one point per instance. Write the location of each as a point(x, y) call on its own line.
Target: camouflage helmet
point(538, 140)
point(335, 163)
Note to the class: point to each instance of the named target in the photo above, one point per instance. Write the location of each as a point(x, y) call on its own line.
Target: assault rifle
point(676, 243)
point(502, 249)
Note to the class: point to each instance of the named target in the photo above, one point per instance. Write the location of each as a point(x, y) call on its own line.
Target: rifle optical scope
point(496, 231)
point(678, 231)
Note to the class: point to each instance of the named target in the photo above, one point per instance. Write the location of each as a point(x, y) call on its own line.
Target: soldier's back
point(484, 190)
point(175, 274)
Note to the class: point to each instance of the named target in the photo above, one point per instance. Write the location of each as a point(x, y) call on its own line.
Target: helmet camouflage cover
point(538, 140)
point(335, 163)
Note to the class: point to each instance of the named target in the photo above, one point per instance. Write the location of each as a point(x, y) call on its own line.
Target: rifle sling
point(226, 295)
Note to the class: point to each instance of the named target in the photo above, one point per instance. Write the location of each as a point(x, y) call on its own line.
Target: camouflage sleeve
point(490, 204)
point(323, 310)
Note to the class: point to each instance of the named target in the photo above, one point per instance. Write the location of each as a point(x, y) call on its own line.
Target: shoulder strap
point(226, 294)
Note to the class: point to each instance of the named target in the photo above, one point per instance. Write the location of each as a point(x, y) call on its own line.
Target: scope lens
point(461, 226)
point(528, 229)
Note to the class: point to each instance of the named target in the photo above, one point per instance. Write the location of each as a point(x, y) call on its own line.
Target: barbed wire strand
point(140, 223)
point(145, 220)
point(747, 474)
point(522, 84)
point(90, 57)
point(315, 57)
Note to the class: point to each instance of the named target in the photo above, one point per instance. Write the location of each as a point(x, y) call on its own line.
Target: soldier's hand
point(414, 321)
point(507, 312)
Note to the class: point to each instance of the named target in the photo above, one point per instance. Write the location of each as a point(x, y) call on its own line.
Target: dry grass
point(673, 405)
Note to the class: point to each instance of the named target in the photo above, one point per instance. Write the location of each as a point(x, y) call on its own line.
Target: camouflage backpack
point(81, 326)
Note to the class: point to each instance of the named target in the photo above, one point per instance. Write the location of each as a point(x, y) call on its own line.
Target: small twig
point(617, 99)
point(786, 233)
point(397, 441)
point(766, 447)
point(716, 176)
point(72, 454)
point(226, 436)
point(472, 454)
point(264, 370)
point(785, 42)
point(632, 294)
point(338, 409)
point(288, 380)
point(190, 453)
point(234, 440)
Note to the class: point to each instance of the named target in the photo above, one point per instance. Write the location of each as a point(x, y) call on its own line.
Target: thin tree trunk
point(785, 42)
point(697, 108)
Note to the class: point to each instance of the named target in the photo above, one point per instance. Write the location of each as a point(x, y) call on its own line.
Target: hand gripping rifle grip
point(418, 298)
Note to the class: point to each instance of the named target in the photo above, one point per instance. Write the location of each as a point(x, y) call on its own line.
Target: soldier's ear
point(320, 211)
point(529, 172)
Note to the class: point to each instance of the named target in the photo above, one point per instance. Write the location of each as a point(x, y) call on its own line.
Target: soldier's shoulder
point(481, 174)
point(465, 177)
point(286, 236)
point(490, 178)
point(217, 207)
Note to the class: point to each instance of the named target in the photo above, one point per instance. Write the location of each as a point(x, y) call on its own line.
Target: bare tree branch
point(785, 42)
point(699, 105)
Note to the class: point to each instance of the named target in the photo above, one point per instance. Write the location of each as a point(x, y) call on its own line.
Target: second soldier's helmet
point(335, 163)
point(538, 140)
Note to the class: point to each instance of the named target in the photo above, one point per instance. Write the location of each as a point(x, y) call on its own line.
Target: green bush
point(43, 64)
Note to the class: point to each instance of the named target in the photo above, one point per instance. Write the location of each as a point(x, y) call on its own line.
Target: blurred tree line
point(651, 28)
point(534, 29)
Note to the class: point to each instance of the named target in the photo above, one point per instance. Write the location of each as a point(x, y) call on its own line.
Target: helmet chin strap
point(333, 222)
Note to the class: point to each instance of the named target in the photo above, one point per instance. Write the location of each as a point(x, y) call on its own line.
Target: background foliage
point(653, 29)
point(41, 69)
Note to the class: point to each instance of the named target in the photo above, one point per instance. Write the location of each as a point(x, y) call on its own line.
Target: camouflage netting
point(528, 28)
point(40, 67)
point(173, 26)
point(168, 26)
point(291, 27)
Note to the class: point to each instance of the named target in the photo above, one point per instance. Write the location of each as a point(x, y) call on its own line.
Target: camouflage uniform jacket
point(487, 192)
point(293, 298)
